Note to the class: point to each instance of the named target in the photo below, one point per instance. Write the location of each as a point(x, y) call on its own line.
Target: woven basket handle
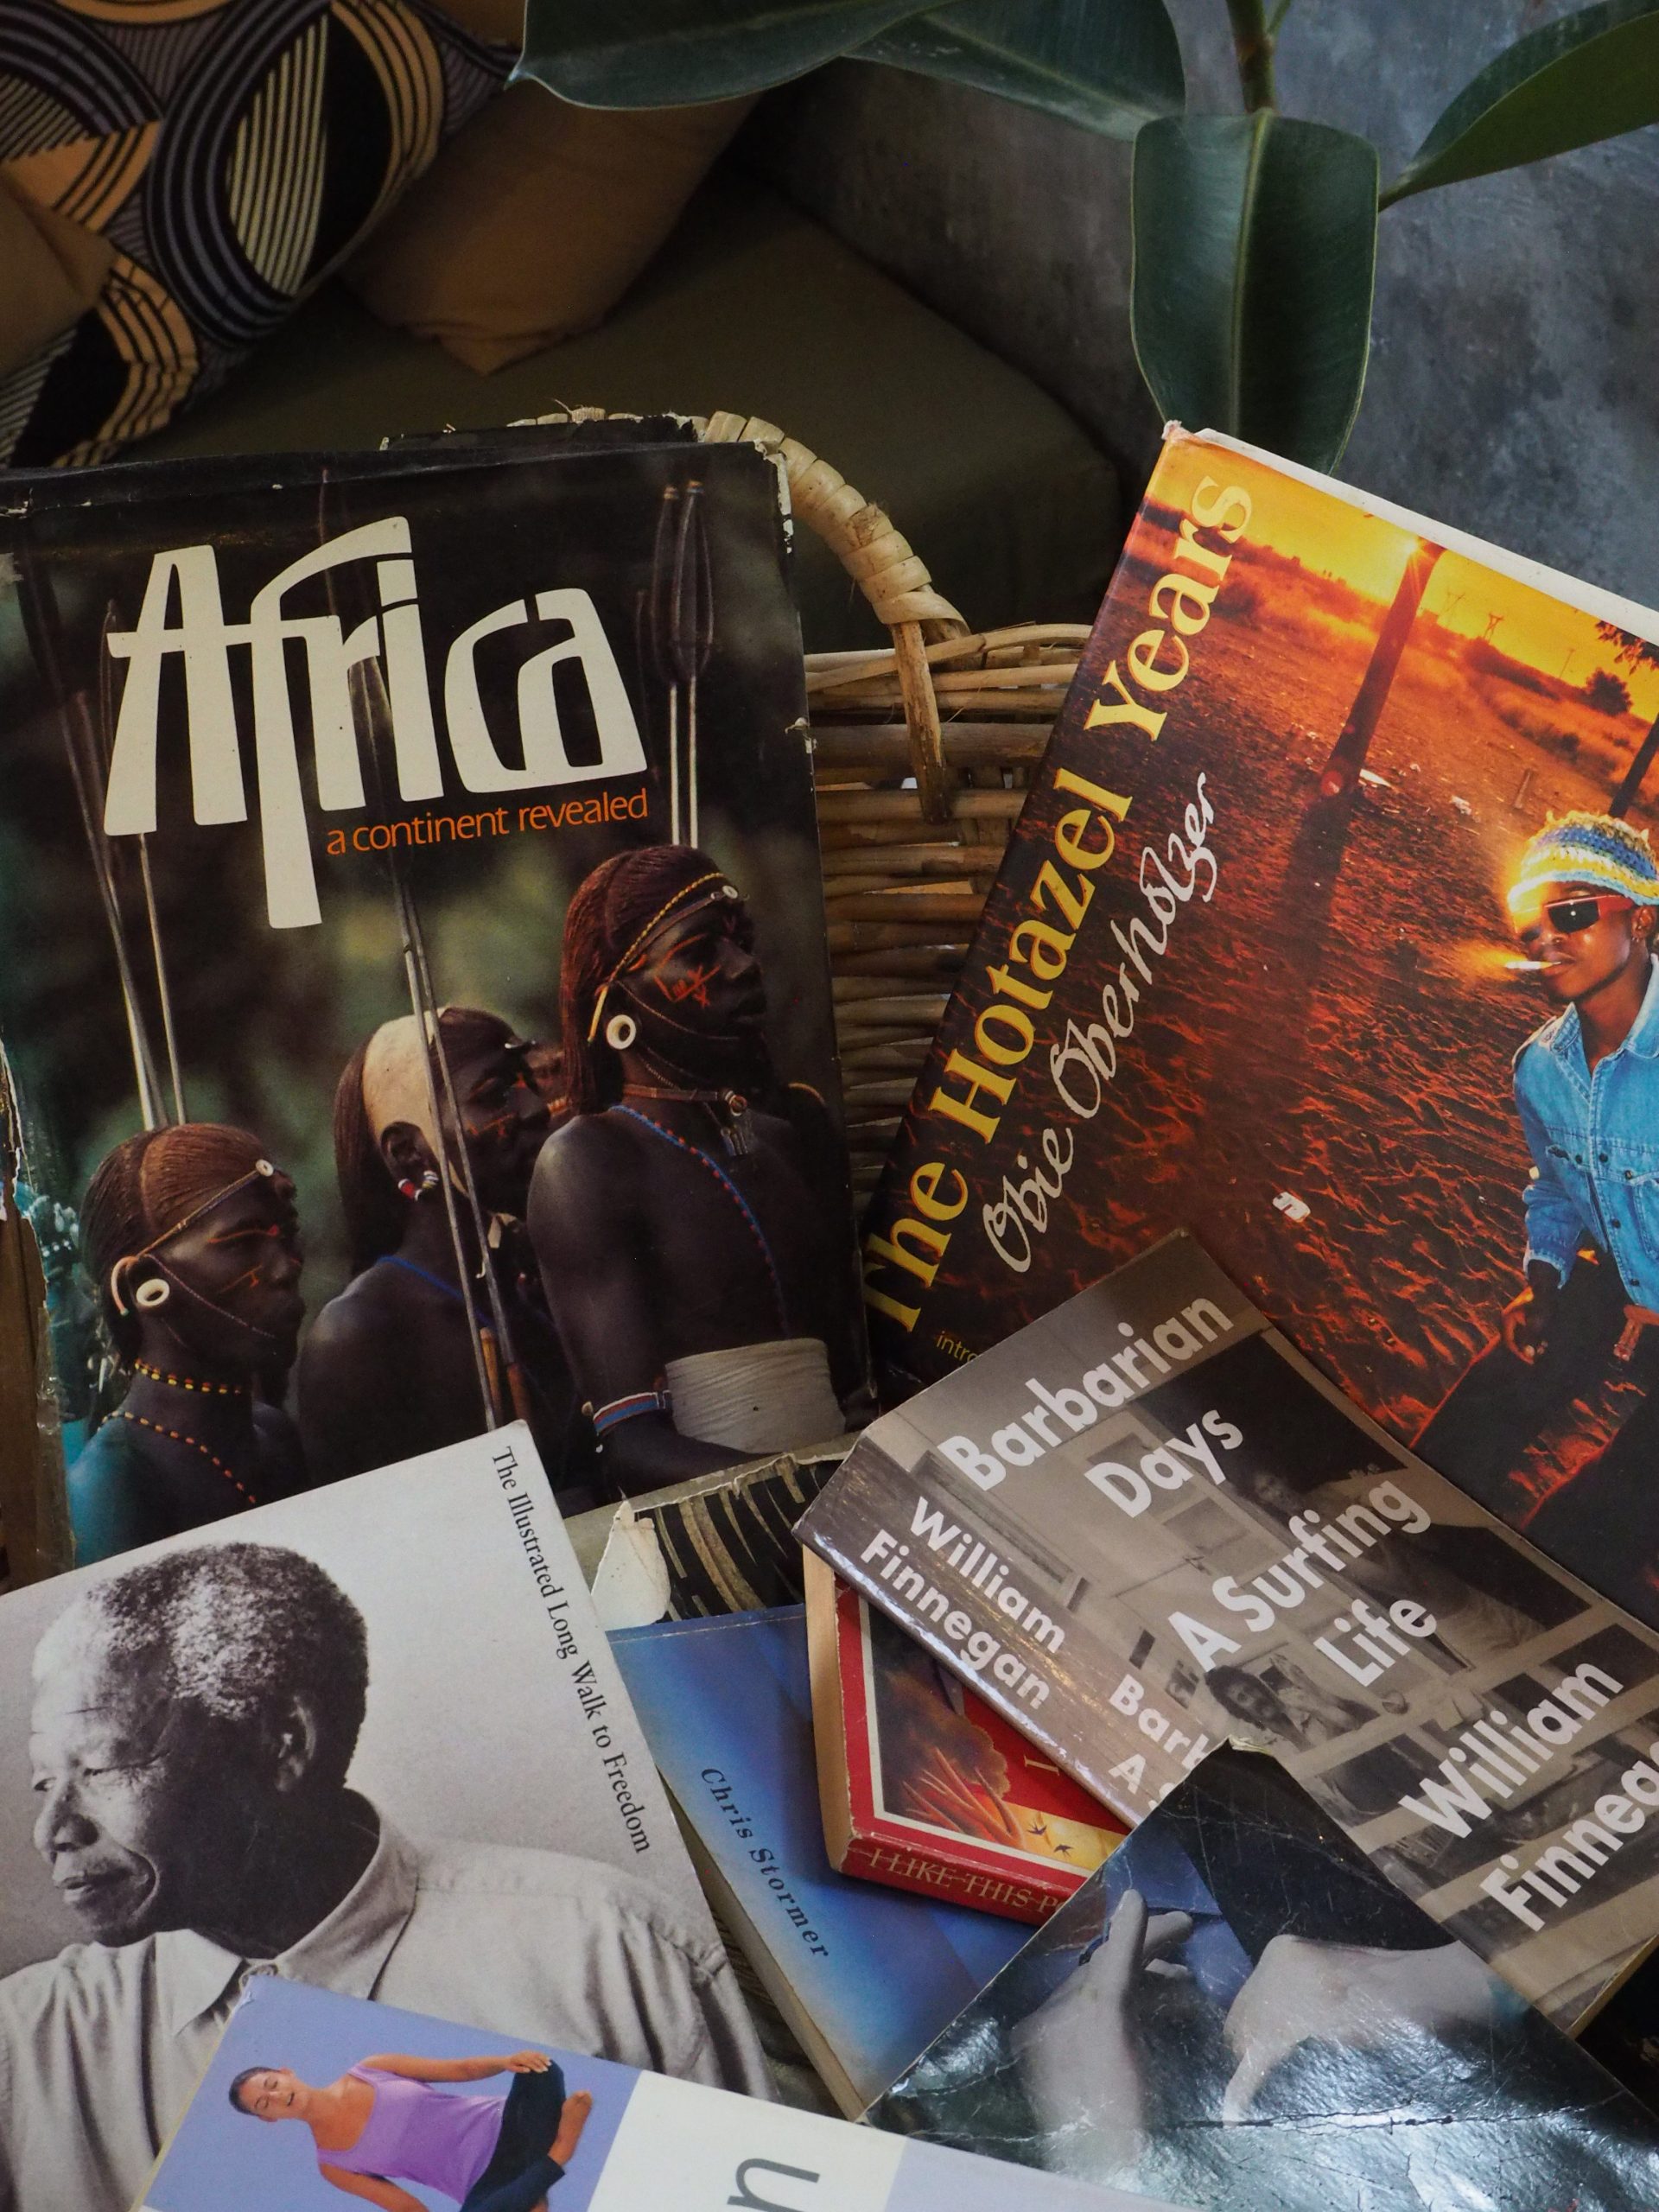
point(893, 577)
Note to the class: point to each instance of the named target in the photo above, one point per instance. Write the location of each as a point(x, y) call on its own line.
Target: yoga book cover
point(369, 1738)
point(1145, 1524)
point(413, 971)
point(925, 1786)
point(1239, 2012)
point(311, 2094)
point(1327, 933)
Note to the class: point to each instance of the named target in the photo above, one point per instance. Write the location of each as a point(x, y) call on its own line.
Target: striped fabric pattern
point(234, 151)
point(283, 134)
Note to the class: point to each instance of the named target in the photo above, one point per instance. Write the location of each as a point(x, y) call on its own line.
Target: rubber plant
point(1255, 234)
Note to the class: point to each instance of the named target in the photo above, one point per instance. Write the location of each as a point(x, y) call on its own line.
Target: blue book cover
point(865, 1975)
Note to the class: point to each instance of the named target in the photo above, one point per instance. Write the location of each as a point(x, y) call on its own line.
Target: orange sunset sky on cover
point(1331, 538)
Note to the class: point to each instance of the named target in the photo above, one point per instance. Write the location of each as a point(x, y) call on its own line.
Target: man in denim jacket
point(1586, 1086)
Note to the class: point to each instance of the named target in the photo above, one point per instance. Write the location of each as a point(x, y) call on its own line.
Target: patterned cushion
point(230, 152)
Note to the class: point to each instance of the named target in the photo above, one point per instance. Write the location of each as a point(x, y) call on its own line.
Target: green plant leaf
point(1589, 76)
point(1110, 64)
point(676, 53)
point(1255, 256)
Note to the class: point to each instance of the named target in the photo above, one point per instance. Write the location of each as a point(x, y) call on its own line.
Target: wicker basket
point(921, 756)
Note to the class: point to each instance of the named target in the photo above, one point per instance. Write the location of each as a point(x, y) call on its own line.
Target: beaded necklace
point(179, 1437)
point(728, 1110)
point(696, 1153)
point(189, 1382)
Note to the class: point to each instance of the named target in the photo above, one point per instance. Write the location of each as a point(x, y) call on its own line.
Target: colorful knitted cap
point(1595, 849)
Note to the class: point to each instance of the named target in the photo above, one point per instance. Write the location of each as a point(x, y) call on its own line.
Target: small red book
point(923, 1786)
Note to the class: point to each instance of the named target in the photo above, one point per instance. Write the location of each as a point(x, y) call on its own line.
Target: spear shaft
point(693, 630)
point(431, 1039)
point(371, 711)
point(453, 1134)
point(106, 746)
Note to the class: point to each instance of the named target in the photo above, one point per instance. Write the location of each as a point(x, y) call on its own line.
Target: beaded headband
point(260, 1169)
point(673, 909)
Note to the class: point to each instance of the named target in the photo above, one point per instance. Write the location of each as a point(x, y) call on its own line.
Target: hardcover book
point(371, 1738)
point(1145, 1523)
point(414, 968)
point(864, 1977)
point(1332, 894)
point(307, 2086)
point(1239, 2012)
point(925, 1786)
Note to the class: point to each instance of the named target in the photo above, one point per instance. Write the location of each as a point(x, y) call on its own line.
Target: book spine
point(963, 1196)
point(38, 1398)
point(1032, 1899)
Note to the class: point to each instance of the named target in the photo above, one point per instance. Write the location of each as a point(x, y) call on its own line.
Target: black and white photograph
point(1143, 1526)
point(371, 1739)
point(1238, 2010)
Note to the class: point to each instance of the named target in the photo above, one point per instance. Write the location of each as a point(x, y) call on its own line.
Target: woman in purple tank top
point(386, 2121)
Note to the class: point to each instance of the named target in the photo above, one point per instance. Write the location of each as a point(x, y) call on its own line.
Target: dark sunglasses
point(1567, 917)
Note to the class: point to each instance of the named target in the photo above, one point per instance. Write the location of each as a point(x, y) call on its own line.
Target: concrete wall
point(1512, 387)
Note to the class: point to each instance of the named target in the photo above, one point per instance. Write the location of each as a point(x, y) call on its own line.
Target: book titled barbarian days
point(306, 2085)
point(1145, 1524)
point(925, 1786)
point(864, 1977)
point(1332, 892)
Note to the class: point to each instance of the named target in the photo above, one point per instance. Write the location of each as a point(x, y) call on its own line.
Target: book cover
point(370, 1737)
point(415, 854)
point(1283, 951)
point(1145, 1523)
point(923, 1785)
point(865, 1978)
point(300, 2070)
point(1239, 2012)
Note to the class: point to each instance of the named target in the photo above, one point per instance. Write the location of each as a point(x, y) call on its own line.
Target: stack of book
point(496, 1707)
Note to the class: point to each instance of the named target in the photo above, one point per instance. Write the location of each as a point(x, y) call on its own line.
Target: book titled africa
point(1326, 932)
point(1145, 1525)
point(412, 965)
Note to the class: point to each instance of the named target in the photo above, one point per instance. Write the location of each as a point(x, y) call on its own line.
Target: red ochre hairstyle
point(611, 907)
point(146, 1185)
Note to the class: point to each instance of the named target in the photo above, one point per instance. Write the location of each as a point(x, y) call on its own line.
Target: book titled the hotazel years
point(1326, 931)
point(1145, 1524)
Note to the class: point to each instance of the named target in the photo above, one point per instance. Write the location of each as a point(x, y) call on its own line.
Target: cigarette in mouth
point(1526, 967)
